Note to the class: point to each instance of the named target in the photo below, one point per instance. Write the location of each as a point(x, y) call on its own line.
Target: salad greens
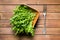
point(22, 20)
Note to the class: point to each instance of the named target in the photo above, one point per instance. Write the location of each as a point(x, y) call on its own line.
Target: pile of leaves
point(22, 19)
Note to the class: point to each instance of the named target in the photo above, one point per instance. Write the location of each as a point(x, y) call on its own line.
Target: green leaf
point(22, 20)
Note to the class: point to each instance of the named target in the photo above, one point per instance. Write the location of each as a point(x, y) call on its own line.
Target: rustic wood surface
point(52, 19)
point(29, 1)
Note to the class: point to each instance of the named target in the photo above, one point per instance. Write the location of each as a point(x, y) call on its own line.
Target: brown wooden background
point(52, 19)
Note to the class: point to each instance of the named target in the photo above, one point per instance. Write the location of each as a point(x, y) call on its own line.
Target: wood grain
point(10, 8)
point(38, 31)
point(6, 15)
point(48, 16)
point(9, 31)
point(36, 37)
point(52, 19)
point(50, 8)
point(40, 23)
point(30, 2)
point(53, 16)
point(53, 8)
point(6, 8)
point(51, 23)
point(6, 23)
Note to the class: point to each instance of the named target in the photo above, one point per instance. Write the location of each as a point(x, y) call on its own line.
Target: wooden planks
point(46, 37)
point(51, 23)
point(50, 8)
point(3, 8)
point(6, 23)
point(38, 31)
point(36, 37)
point(52, 19)
point(48, 16)
point(30, 2)
point(6, 15)
point(53, 8)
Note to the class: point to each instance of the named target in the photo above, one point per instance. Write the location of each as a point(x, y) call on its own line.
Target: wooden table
point(52, 19)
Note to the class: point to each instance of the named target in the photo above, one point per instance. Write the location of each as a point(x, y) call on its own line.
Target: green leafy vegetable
point(22, 20)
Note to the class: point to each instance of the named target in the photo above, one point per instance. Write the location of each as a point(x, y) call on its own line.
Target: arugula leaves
point(22, 20)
